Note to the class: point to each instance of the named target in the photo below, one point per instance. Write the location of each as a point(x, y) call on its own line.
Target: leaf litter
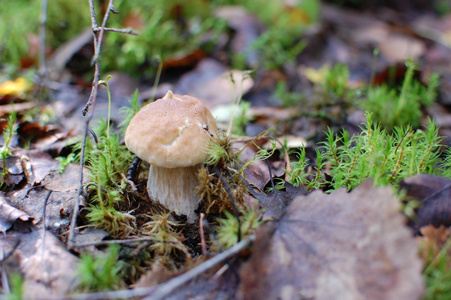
point(337, 246)
point(316, 244)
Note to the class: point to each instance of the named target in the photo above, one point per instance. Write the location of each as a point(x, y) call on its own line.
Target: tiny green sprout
point(17, 290)
point(64, 161)
point(262, 154)
point(8, 135)
point(105, 83)
point(220, 150)
point(392, 107)
point(129, 111)
point(227, 230)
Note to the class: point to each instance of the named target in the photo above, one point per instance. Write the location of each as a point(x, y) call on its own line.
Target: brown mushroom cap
point(171, 132)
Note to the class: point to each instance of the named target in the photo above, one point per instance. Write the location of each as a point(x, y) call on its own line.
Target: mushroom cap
point(171, 132)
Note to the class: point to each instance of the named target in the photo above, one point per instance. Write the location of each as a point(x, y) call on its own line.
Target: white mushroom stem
point(175, 189)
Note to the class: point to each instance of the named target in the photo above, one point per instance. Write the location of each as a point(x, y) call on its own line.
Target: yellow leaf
point(317, 76)
point(14, 87)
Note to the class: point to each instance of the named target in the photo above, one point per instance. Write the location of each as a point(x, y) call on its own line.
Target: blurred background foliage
point(167, 28)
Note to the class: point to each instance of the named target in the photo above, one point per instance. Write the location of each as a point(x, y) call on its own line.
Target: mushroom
point(172, 134)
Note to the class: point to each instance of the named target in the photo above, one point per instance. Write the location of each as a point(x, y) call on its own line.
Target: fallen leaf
point(14, 172)
point(432, 241)
point(276, 202)
point(16, 87)
point(337, 246)
point(47, 267)
point(398, 48)
point(10, 215)
point(434, 193)
point(214, 83)
point(57, 193)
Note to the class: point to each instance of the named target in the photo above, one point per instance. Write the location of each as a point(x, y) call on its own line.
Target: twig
point(42, 82)
point(101, 31)
point(43, 38)
point(124, 241)
point(202, 234)
point(76, 209)
point(162, 290)
point(89, 108)
point(126, 31)
point(44, 231)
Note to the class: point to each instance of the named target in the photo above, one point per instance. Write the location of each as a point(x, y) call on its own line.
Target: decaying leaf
point(338, 246)
point(214, 83)
point(10, 215)
point(434, 192)
point(57, 193)
point(432, 241)
point(47, 267)
point(15, 87)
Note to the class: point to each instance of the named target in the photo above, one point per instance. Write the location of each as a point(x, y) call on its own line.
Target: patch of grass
point(437, 275)
point(280, 43)
point(64, 21)
point(374, 153)
point(391, 107)
point(166, 28)
point(100, 273)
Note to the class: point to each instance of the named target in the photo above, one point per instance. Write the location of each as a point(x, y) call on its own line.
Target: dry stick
point(126, 31)
point(42, 72)
point(162, 290)
point(44, 231)
point(124, 241)
point(42, 35)
point(202, 235)
point(91, 102)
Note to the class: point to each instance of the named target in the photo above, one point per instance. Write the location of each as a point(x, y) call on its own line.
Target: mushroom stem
point(175, 189)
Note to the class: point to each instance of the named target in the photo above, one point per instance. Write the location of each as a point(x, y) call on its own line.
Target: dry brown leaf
point(47, 267)
point(432, 241)
point(434, 193)
point(60, 201)
point(398, 48)
point(10, 215)
point(338, 246)
point(211, 82)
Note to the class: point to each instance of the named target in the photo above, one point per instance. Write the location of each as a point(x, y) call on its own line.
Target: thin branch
point(202, 234)
point(93, 14)
point(76, 209)
point(90, 104)
point(102, 31)
point(126, 30)
point(43, 38)
point(124, 241)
